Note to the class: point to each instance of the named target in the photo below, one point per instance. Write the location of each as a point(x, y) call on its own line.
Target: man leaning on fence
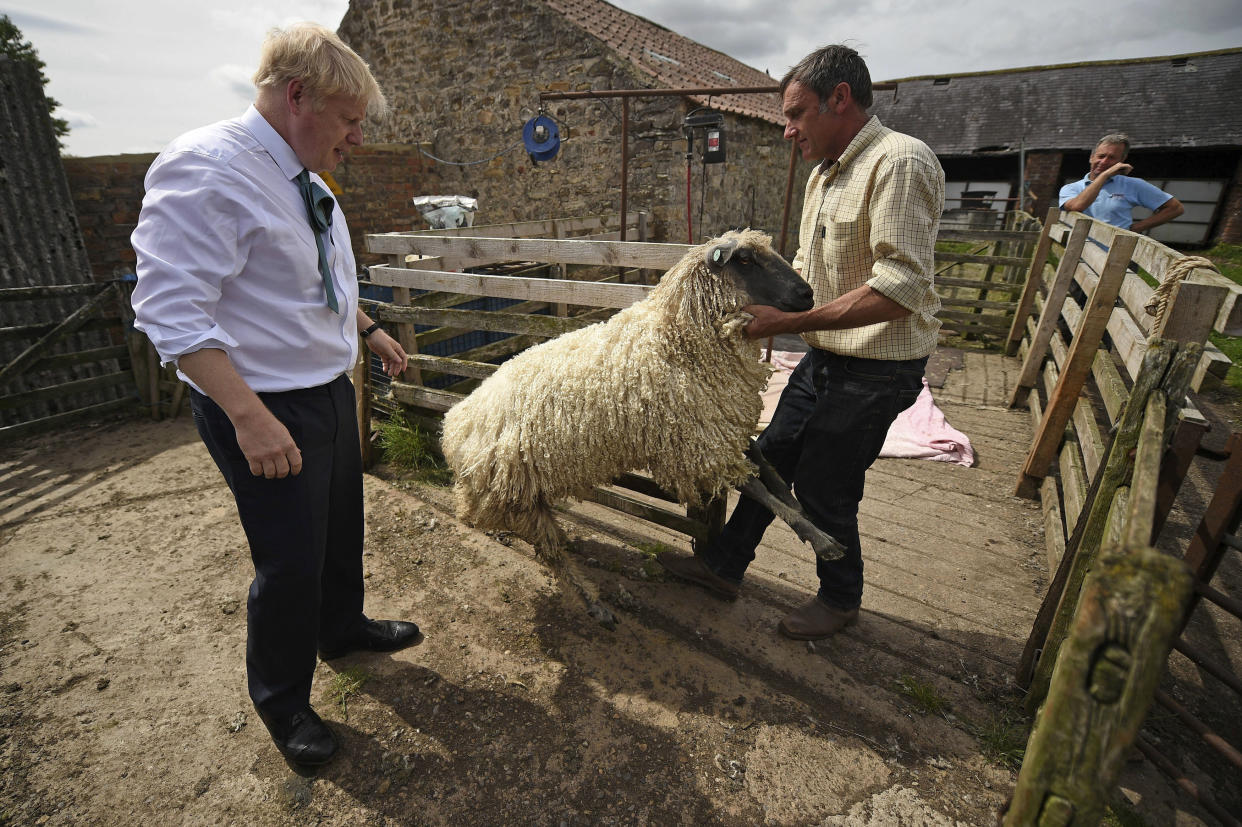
point(1108, 193)
point(246, 280)
point(866, 244)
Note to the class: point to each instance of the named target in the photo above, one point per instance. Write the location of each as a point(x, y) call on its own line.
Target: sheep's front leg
point(551, 547)
point(770, 491)
point(572, 574)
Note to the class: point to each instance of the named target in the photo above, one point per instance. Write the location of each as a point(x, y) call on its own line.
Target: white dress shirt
point(227, 260)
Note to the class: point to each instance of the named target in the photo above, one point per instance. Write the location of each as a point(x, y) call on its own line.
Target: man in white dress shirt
point(247, 281)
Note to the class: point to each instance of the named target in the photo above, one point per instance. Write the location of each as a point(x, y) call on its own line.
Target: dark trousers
point(305, 534)
point(826, 432)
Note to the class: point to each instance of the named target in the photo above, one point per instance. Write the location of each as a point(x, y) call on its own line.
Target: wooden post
point(712, 515)
point(559, 271)
point(1206, 548)
point(1078, 366)
point(1191, 312)
point(1052, 313)
point(1168, 372)
point(405, 330)
point(362, 400)
point(1173, 470)
point(1034, 277)
point(153, 380)
point(644, 276)
point(1101, 689)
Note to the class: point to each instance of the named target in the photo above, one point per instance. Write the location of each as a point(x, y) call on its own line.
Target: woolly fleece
point(670, 385)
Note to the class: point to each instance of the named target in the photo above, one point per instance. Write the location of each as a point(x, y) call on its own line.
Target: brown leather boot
point(694, 570)
point(816, 621)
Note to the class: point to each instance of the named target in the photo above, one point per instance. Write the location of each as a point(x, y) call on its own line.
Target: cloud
point(234, 78)
point(29, 21)
point(76, 120)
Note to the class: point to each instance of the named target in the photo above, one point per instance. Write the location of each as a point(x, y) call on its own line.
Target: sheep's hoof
point(603, 615)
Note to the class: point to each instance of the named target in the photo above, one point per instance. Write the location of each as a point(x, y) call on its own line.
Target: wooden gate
point(1093, 353)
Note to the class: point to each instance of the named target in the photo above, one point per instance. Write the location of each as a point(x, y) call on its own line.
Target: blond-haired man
point(247, 282)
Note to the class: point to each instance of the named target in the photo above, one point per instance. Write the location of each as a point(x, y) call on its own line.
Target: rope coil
point(1158, 304)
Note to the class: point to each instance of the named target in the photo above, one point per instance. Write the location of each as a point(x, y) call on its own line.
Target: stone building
point(1187, 139)
point(463, 79)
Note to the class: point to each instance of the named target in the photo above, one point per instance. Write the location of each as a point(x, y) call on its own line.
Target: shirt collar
point(270, 139)
point(869, 132)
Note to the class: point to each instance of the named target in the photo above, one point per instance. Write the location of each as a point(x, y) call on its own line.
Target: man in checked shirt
point(866, 241)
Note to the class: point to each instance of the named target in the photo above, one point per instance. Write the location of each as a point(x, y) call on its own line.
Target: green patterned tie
point(319, 211)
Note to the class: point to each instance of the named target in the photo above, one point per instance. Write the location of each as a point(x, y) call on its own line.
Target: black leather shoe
point(303, 737)
point(377, 636)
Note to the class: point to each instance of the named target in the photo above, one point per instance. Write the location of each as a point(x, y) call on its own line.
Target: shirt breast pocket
point(845, 244)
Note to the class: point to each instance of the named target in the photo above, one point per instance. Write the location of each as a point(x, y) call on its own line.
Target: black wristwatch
point(374, 327)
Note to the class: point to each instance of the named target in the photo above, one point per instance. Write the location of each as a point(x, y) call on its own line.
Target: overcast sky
point(130, 75)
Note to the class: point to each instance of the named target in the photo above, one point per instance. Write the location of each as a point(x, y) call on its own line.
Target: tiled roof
point(1177, 101)
point(673, 61)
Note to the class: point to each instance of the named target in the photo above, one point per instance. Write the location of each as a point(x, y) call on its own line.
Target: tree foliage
point(12, 45)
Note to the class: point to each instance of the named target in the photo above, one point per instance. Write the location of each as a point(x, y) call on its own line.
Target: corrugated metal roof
point(1160, 102)
point(40, 241)
point(675, 62)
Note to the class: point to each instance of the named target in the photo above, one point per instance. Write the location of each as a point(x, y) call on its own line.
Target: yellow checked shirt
point(871, 218)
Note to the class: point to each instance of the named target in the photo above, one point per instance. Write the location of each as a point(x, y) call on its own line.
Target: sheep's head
point(712, 282)
point(757, 272)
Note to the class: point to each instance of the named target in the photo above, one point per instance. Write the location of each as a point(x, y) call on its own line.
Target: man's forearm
point(1087, 197)
point(858, 308)
point(1168, 211)
point(212, 371)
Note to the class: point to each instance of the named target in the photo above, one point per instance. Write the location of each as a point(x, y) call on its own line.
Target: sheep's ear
point(718, 256)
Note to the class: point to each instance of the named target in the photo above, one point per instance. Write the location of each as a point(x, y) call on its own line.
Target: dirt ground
point(123, 577)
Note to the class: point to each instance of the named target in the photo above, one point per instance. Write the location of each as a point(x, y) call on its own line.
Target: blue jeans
point(826, 432)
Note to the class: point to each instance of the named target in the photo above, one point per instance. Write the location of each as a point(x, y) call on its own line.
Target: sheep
point(671, 384)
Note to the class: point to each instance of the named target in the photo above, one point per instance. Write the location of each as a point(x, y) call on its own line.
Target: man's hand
point(769, 321)
point(389, 350)
point(266, 443)
point(1121, 168)
point(268, 446)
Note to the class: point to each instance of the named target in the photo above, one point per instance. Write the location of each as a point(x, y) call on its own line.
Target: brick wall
point(1229, 230)
point(1043, 170)
point(107, 194)
point(377, 185)
point(464, 82)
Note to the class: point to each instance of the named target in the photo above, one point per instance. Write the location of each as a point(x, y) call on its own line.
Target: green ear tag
point(716, 255)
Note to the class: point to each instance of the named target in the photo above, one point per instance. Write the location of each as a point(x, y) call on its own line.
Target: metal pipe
point(1164, 765)
point(1229, 604)
point(1207, 665)
point(625, 159)
point(656, 93)
point(689, 206)
point(789, 181)
point(1209, 737)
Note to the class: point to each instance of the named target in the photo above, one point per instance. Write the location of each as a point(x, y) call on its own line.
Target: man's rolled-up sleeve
point(906, 202)
point(187, 246)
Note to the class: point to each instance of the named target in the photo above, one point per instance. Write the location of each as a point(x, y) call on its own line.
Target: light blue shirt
point(1119, 195)
point(227, 260)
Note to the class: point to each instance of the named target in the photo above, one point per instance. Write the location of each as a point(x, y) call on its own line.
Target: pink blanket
point(919, 432)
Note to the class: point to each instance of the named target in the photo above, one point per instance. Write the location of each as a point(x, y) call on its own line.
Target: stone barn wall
point(462, 80)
